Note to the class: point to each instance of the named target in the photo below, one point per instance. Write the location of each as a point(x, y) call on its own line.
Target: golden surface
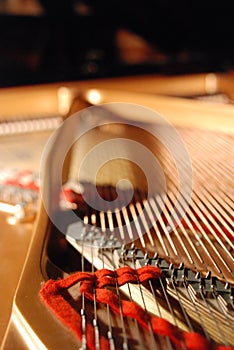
point(14, 242)
point(25, 150)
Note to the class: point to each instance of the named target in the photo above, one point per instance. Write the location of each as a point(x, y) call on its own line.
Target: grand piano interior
point(176, 60)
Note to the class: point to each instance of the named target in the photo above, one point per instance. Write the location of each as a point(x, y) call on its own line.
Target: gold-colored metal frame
point(32, 326)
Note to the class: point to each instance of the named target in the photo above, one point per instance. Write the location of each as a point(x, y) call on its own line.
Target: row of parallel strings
point(209, 212)
point(26, 124)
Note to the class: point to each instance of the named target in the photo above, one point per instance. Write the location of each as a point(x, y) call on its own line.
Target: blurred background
point(55, 41)
point(58, 40)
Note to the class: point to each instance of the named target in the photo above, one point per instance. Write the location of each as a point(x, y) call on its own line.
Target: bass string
point(195, 205)
point(204, 301)
point(200, 235)
point(83, 311)
point(137, 226)
point(29, 125)
point(109, 224)
point(174, 287)
point(216, 322)
point(213, 151)
point(220, 178)
point(168, 303)
point(104, 222)
point(125, 345)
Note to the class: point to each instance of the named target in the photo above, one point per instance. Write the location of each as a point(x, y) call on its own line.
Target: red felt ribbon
point(23, 179)
point(52, 294)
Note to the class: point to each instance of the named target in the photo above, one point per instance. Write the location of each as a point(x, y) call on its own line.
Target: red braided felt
point(51, 295)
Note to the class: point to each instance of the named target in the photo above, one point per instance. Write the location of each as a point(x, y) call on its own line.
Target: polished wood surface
point(14, 244)
point(48, 100)
point(45, 99)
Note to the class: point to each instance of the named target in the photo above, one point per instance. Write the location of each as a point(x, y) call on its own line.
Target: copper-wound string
point(95, 319)
point(215, 206)
point(166, 212)
point(83, 314)
point(125, 339)
point(141, 235)
point(212, 315)
point(205, 236)
point(163, 289)
point(218, 216)
point(109, 333)
point(176, 292)
point(204, 214)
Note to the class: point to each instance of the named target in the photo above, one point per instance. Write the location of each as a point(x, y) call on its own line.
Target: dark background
point(63, 43)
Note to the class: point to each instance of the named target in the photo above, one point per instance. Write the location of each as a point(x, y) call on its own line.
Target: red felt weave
point(52, 294)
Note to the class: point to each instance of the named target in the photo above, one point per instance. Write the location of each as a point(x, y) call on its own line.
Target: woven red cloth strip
point(24, 179)
point(52, 294)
